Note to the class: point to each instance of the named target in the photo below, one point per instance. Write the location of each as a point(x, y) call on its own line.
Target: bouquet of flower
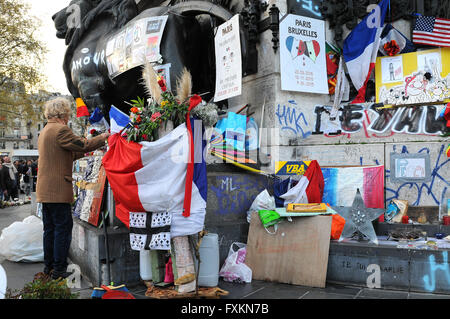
point(391, 48)
point(162, 106)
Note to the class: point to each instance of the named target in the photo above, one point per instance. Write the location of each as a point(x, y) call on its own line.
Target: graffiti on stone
point(376, 122)
point(430, 279)
point(292, 120)
point(416, 190)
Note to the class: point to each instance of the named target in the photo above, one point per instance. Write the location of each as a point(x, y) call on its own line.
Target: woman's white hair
point(57, 108)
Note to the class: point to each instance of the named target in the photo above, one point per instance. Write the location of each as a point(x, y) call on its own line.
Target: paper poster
point(429, 62)
point(228, 60)
point(302, 55)
point(392, 69)
point(425, 77)
point(140, 41)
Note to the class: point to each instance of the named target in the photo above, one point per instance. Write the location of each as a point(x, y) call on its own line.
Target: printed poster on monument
point(302, 55)
point(228, 60)
point(139, 41)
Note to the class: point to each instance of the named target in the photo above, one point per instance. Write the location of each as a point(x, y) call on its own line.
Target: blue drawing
point(429, 188)
point(290, 121)
point(235, 197)
point(430, 281)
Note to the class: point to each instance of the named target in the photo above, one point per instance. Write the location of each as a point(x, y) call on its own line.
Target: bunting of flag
point(361, 48)
point(432, 31)
point(118, 119)
point(82, 109)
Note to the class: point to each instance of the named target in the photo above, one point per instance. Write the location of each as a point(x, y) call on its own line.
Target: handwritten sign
point(228, 60)
point(302, 55)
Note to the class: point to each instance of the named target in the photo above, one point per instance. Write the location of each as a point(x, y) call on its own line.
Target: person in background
point(26, 171)
point(18, 175)
point(8, 179)
point(58, 147)
point(34, 166)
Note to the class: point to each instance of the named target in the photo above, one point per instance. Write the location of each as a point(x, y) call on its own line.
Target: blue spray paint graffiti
point(290, 121)
point(430, 280)
point(428, 188)
point(235, 196)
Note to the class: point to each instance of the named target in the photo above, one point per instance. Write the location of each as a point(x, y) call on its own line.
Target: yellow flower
point(164, 103)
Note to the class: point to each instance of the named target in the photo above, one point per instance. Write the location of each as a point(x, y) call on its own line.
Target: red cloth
point(447, 115)
point(316, 184)
point(193, 102)
point(168, 278)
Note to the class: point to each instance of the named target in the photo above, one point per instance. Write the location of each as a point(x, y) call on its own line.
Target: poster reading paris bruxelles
point(302, 55)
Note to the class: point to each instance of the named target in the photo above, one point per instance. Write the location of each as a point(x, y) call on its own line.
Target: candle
point(405, 219)
point(446, 220)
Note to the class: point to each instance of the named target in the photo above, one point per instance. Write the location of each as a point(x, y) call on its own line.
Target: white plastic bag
point(262, 202)
point(23, 241)
point(234, 269)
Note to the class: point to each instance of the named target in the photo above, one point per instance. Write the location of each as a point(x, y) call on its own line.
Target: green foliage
point(147, 119)
point(44, 288)
point(21, 52)
point(21, 57)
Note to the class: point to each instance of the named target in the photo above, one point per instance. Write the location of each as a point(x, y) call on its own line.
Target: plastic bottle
point(145, 265)
point(209, 261)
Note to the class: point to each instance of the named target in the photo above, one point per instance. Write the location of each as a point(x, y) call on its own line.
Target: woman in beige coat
point(58, 147)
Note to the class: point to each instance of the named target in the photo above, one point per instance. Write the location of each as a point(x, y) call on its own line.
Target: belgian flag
point(82, 109)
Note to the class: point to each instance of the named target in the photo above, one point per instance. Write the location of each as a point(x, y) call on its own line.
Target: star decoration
point(358, 218)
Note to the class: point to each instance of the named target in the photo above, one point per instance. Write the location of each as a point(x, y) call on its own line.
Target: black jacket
point(5, 180)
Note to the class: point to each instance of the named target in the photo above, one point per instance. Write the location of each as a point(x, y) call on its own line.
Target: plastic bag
point(337, 226)
point(262, 202)
point(23, 241)
point(234, 269)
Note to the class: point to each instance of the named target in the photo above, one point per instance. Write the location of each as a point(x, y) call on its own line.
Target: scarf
point(12, 170)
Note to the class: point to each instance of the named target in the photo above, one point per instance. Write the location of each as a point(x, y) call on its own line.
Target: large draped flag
point(151, 176)
point(361, 48)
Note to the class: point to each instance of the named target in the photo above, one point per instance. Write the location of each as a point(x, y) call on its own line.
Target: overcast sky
point(44, 10)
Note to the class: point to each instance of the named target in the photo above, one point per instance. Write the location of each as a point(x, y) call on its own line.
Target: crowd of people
point(18, 177)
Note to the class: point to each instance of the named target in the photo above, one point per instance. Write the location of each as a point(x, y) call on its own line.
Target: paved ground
point(18, 274)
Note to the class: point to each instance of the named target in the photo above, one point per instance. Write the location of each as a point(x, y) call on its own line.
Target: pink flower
point(155, 116)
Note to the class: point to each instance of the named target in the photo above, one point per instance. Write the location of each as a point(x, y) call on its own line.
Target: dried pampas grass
point(150, 82)
point(184, 86)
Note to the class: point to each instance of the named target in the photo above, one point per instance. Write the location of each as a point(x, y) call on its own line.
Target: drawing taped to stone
point(418, 193)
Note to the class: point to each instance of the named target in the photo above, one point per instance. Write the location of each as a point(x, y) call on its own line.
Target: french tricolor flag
point(361, 48)
point(309, 189)
point(152, 177)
